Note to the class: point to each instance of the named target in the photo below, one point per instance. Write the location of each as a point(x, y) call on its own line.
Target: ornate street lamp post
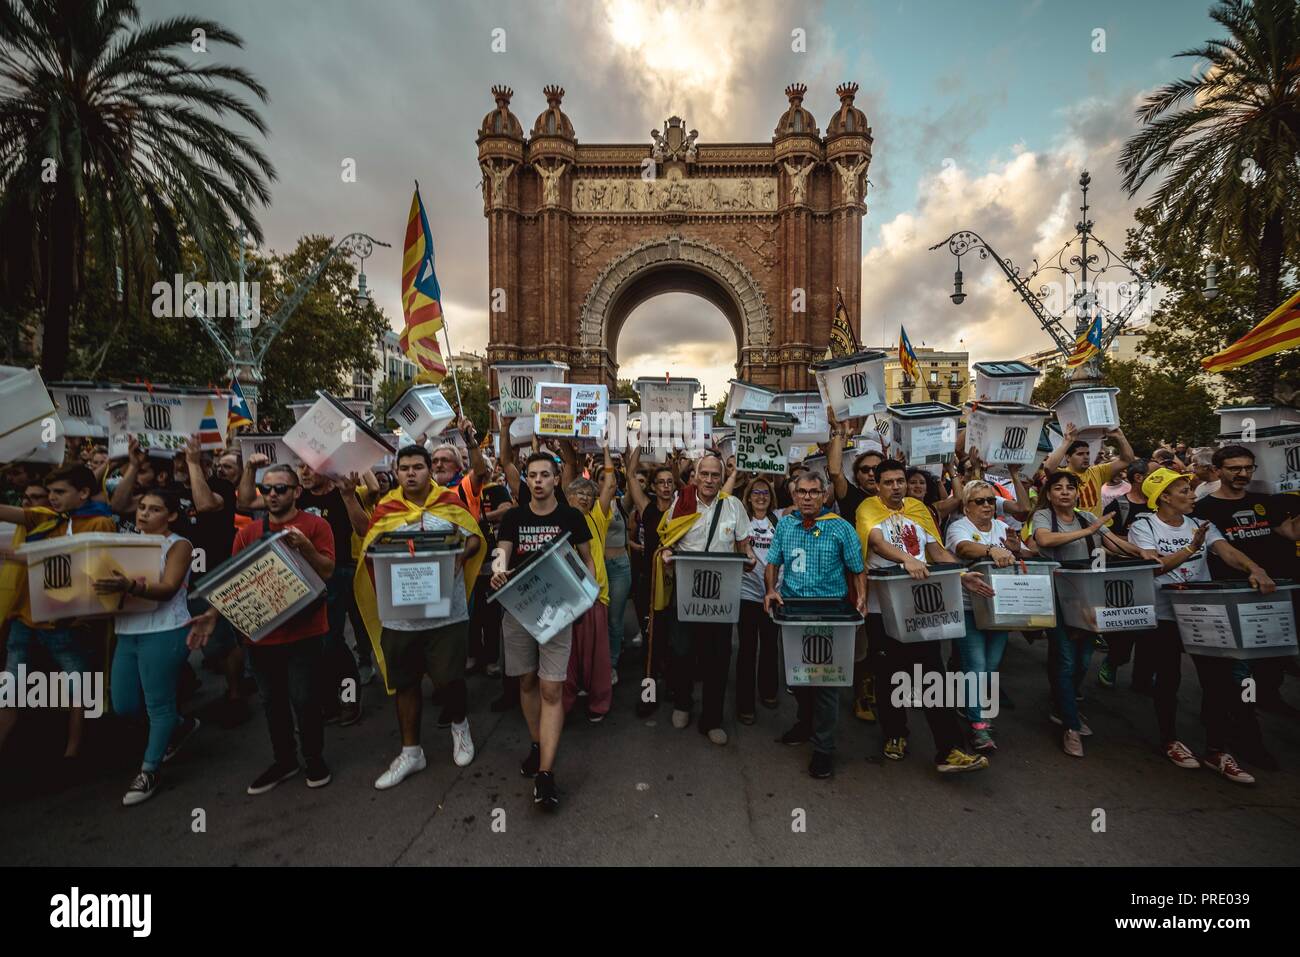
point(1081, 269)
point(246, 345)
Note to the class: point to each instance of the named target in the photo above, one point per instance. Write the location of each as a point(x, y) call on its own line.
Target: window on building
point(953, 379)
point(934, 376)
point(907, 396)
point(956, 397)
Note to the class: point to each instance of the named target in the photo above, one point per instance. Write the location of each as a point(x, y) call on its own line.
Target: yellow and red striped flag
point(1087, 345)
point(1279, 331)
point(421, 298)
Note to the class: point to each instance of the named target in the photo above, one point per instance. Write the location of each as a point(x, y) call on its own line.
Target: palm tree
point(1226, 142)
point(114, 143)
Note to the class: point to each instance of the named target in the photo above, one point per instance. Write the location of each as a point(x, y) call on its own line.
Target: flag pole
point(455, 380)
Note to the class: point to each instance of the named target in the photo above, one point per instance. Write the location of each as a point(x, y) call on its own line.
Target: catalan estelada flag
point(1279, 331)
point(239, 414)
point(843, 341)
point(1087, 346)
point(907, 356)
point(421, 298)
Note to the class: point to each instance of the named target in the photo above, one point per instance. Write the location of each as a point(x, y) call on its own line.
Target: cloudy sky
point(983, 114)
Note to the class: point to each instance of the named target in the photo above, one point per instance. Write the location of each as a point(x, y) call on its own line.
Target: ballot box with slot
point(928, 609)
point(550, 591)
point(272, 446)
point(1089, 410)
point(1234, 418)
point(516, 384)
point(422, 410)
point(333, 441)
point(745, 396)
point(926, 432)
point(1230, 619)
point(817, 639)
point(415, 573)
point(707, 586)
point(1023, 596)
point(1005, 433)
point(262, 587)
point(1118, 594)
point(853, 386)
point(1010, 381)
point(62, 569)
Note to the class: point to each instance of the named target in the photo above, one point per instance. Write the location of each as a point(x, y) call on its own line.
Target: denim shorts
point(62, 644)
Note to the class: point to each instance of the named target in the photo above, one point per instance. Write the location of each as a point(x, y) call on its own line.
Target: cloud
point(681, 334)
point(1026, 204)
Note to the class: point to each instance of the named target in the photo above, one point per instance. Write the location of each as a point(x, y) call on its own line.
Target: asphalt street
point(638, 792)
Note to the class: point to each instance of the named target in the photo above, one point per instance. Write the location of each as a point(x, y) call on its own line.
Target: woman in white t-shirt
point(976, 536)
point(757, 660)
point(1169, 535)
point(151, 645)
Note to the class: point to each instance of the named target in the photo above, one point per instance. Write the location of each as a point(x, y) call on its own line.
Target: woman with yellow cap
point(1170, 536)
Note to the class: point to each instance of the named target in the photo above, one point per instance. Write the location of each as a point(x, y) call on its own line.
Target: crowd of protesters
point(805, 535)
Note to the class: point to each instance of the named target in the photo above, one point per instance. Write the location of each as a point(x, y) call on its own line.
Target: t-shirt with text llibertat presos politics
point(1250, 525)
point(1149, 532)
point(531, 533)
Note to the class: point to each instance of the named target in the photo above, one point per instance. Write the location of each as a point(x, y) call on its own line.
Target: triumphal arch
point(579, 234)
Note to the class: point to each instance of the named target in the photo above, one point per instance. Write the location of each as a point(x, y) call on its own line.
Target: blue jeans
point(1068, 653)
point(145, 669)
point(618, 569)
point(981, 655)
point(62, 644)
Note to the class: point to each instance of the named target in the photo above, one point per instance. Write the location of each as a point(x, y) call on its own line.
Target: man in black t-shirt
point(1132, 503)
point(337, 503)
point(542, 669)
point(1264, 528)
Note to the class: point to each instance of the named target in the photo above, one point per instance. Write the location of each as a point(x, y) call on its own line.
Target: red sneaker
point(1226, 764)
point(1181, 755)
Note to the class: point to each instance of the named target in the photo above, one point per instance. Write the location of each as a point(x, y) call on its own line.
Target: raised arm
point(205, 500)
point(835, 454)
point(569, 456)
point(609, 482)
point(1124, 456)
point(479, 470)
point(1057, 455)
point(249, 496)
point(639, 498)
point(135, 457)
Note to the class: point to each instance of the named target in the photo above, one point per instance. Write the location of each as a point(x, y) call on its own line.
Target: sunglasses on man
point(281, 489)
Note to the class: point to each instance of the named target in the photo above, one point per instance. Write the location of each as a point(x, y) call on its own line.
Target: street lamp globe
point(1211, 289)
point(958, 297)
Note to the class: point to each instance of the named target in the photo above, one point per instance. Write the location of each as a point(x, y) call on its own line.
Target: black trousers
point(757, 660)
point(1162, 651)
point(484, 624)
point(289, 681)
point(711, 644)
point(888, 657)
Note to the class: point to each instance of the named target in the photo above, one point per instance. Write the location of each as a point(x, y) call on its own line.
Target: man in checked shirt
point(811, 550)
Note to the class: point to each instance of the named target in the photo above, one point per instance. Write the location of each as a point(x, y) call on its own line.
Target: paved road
point(639, 792)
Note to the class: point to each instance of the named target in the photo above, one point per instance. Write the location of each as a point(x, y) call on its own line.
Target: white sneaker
point(613, 677)
point(718, 736)
point(366, 674)
point(681, 719)
point(403, 766)
point(462, 745)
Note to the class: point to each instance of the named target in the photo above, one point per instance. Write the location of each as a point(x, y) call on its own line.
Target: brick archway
point(579, 234)
point(673, 264)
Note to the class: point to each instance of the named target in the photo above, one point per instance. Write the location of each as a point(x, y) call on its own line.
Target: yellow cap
point(1154, 485)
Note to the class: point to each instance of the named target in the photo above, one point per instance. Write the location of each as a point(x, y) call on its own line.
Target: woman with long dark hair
point(151, 645)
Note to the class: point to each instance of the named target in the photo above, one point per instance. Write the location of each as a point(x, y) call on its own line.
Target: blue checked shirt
point(813, 561)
